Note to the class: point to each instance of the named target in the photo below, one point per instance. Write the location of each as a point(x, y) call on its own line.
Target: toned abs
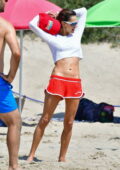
point(67, 67)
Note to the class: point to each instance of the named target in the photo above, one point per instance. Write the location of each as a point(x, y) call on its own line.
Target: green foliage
point(72, 4)
point(111, 35)
point(92, 34)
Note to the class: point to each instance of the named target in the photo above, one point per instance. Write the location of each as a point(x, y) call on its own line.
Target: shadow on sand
point(25, 159)
point(59, 115)
point(29, 124)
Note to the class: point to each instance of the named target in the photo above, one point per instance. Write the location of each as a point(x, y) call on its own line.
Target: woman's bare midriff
point(67, 67)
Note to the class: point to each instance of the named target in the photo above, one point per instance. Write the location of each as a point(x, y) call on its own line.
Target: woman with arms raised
point(65, 82)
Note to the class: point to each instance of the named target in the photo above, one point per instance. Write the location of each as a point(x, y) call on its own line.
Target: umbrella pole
point(20, 71)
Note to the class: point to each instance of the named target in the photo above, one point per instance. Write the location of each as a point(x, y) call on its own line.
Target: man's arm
point(11, 40)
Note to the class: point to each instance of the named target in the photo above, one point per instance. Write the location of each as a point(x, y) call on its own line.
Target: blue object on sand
point(2, 124)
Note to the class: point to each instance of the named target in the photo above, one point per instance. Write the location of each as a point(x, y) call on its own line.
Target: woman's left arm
point(82, 14)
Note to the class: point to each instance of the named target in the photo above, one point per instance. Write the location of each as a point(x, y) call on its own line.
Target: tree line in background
point(92, 35)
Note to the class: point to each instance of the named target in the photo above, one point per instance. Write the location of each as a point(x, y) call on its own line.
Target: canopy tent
point(104, 14)
point(19, 13)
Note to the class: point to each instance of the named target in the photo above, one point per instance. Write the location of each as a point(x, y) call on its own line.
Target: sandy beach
point(94, 146)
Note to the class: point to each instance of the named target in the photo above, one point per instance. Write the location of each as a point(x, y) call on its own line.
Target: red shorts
point(65, 87)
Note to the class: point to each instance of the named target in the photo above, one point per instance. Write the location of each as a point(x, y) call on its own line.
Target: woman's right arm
point(39, 32)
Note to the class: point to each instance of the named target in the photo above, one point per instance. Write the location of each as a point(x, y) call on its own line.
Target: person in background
point(8, 108)
point(65, 82)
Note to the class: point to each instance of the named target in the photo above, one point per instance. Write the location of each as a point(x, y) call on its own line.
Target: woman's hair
point(65, 15)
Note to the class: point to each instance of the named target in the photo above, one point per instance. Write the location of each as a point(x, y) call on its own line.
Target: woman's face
point(69, 26)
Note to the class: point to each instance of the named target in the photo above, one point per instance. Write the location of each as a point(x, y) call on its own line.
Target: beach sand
point(94, 146)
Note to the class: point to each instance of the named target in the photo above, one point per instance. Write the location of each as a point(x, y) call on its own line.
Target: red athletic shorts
point(65, 87)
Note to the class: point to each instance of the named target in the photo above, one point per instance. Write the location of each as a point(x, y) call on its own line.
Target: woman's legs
point(51, 101)
point(71, 108)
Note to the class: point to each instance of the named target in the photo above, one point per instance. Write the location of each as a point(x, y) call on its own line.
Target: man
point(8, 108)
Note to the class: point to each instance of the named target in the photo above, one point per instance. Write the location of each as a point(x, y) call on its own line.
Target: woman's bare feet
point(30, 159)
point(61, 159)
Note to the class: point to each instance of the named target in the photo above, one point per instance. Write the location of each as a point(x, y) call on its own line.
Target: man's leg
point(13, 121)
point(71, 108)
point(51, 101)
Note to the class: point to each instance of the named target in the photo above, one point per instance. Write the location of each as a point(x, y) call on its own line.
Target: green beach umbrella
point(104, 14)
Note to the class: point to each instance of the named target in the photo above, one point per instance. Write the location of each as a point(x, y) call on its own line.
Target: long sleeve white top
point(63, 46)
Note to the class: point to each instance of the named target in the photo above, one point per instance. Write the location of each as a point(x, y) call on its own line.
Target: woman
point(65, 80)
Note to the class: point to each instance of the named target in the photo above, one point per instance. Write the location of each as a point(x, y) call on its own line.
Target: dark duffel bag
point(91, 111)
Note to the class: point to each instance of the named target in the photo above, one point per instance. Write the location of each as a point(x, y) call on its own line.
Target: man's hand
point(7, 78)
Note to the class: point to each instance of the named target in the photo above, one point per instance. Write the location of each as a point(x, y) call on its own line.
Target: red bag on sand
point(49, 24)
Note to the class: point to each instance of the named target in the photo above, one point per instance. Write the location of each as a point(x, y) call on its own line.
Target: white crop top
point(63, 46)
